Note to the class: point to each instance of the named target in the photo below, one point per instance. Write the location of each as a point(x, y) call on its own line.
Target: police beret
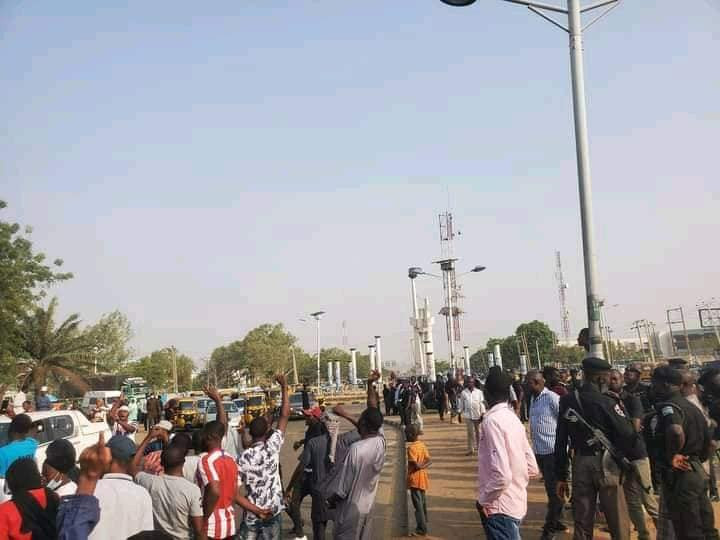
point(598, 364)
point(667, 375)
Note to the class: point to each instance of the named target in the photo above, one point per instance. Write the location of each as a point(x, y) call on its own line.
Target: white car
point(230, 409)
point(51, 425)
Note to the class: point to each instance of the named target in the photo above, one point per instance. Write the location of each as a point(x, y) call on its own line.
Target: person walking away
point(59, 461)
point(590, 479)
point(505, 463)
point(386, 399)
point(472, 407)
point(259, 471)
point(687, 443)
point(543, 416)
point(452, 391)
point(441, 398)
point(637, 483)
point(354, 493)
point(32, 511)
point(125, 507)
point(418, 461)
point(142, 412)
point(20, 443)
point(42, 402)
point(154, 410)
point(176, 503)
point(305, 396)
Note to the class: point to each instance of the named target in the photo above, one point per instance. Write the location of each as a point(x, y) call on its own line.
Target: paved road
point(387, 523)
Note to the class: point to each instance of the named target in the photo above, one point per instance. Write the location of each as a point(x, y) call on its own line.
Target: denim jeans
point(262, 530)
point(417, 496)
point(501, 527)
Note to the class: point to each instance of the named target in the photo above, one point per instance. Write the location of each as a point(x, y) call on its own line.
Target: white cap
point(124, 408)
point(43, 389)
point(164, 424)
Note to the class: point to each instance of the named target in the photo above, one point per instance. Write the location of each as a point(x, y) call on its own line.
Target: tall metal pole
point(295, 373)
point(537, 350)
point(451, 327)
point(318, 352)
point(584, 179)
point(174, 367)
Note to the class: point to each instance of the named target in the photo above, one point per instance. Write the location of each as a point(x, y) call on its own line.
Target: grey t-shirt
point(174, 502)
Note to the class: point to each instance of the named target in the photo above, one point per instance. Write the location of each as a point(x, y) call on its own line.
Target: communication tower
point(562, 287)
point(452, 296)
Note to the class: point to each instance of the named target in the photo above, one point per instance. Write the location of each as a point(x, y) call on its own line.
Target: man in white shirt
point(472, 407)
point(125, 507)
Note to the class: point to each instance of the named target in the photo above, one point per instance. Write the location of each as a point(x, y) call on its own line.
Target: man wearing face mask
point(591, 477)
point(59, 461)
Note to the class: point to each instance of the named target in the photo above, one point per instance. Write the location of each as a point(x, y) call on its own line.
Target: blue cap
point(121, 447)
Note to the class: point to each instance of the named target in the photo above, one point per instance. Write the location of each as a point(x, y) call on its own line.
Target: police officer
point(635, 387)
point(684, 440)
point(591, 476)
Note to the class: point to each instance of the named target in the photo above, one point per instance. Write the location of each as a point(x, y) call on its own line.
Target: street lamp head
point(317, 314)
point(478, 269)
point(458, 3)
point(414, 272)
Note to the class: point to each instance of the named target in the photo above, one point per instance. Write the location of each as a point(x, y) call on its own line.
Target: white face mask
point(55, 483)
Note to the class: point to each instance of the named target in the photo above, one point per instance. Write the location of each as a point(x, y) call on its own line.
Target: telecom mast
point(452, 296)
point(562, 287)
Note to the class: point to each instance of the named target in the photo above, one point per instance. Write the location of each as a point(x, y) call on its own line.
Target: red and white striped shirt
point(219, 467)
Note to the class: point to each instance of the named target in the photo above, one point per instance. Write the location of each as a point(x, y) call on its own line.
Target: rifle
point(599, 438)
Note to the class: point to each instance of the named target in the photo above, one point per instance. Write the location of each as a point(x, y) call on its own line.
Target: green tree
point(60, 352)
point(108, 340)
point(537, 332)
point(157, 369)
point(568, 356)
point(441, 367)
point(24, 278)
point(266, 351)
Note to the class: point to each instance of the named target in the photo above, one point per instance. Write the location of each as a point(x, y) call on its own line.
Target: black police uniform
point(589, 480)
point(686, 491)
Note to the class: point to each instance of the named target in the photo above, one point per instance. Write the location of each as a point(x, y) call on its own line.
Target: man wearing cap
point(125, 507)
point(42, 402)
point(685, 443)
point(119, 420)
point(161, 437)
point(593, 476)
point(505, 462)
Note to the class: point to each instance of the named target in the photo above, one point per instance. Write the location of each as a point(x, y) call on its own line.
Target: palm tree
point(62, 352)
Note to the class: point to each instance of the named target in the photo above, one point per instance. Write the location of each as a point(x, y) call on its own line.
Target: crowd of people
point(181, 487)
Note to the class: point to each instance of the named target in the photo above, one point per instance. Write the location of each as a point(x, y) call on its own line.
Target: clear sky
point(207, 167)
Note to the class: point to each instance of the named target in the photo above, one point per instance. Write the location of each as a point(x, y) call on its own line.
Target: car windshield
point(186, 405)
point(296, 400)
point(254, 401)
point(202, 403)
point(239, 402)
point(228, 406)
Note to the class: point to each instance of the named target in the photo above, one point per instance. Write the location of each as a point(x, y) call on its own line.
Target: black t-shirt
point(633, 405)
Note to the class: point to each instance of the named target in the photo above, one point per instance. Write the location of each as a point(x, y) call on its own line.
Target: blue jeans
point(262, 530)
point(501, 527)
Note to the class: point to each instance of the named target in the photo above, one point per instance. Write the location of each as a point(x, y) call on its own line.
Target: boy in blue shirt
point(20, 443)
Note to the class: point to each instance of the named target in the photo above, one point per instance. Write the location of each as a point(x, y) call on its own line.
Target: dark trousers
point(299, 492)
point(589, 483)
point(420, 504)
point(553, 517)
point(690, 509)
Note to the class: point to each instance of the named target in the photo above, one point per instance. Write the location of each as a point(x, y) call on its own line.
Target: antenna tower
point(452, 296)
point(562, 287)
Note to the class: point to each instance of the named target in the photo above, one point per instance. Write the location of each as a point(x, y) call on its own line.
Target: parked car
point(51, 425)
point(296, 405)
point(230, 409)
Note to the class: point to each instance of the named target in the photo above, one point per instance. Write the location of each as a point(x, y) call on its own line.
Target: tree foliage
point(24, 278)
point(109, 339)
point(157, 369)
point(46, 350)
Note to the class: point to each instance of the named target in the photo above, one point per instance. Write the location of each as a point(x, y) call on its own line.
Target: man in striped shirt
point(544, 410)
point(218, 479)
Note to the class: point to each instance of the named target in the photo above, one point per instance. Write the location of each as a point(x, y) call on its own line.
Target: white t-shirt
point(472, 403)
point(125, 508)
point(190, 468)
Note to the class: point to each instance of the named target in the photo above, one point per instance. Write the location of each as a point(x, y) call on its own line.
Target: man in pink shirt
point(505, 463)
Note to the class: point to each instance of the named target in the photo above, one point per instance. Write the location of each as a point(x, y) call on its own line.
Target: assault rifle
point(599, 438)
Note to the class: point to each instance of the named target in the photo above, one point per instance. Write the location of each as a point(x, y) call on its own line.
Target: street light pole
point(575, 31)
point(317, 316)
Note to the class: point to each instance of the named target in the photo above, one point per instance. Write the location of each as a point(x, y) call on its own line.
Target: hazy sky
point(209, 167)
